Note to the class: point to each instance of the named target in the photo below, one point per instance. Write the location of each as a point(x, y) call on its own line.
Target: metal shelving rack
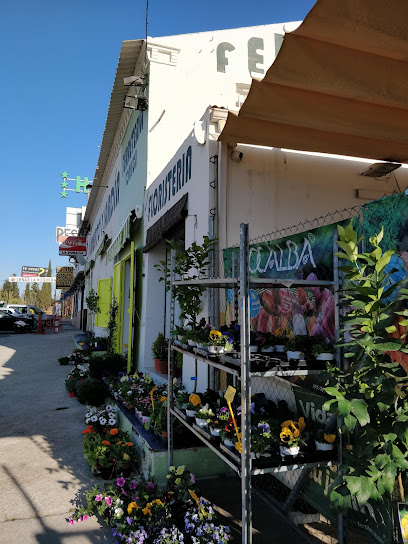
point(243, 465)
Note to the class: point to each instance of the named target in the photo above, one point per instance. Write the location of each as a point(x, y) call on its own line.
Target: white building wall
point(273, 189)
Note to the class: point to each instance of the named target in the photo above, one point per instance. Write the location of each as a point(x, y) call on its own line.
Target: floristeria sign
point(73, 245)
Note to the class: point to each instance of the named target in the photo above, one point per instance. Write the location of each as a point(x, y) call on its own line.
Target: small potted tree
point(160, 353)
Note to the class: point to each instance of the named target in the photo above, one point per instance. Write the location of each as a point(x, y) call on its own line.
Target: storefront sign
point(73, 245)
point(33, 271)
point(31, 279)
point(175, 179)
point(62, 233)
point(65, 276)
point(109, 206)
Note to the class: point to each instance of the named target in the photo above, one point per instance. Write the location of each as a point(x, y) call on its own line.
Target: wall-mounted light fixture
point(380, 169)
point(136, 103)
point(90, 186)
point(136, 100)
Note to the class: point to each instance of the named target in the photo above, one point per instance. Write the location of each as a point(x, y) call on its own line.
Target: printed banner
point(65, 276)
point(73, 245)
point(33, 271)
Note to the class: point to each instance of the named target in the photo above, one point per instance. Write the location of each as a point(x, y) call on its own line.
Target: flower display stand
point(153, 452)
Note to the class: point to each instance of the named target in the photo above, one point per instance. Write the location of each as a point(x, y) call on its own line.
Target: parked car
point(26, 309)
point(32, 319)
point(10, 323)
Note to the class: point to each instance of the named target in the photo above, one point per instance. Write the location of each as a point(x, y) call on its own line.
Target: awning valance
point(338, 85)
point(120, 240)
point(166, 222)
point(78, 283)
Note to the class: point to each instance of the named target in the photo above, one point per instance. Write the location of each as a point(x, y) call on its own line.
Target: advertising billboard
point(65, 276)
point(33, 271)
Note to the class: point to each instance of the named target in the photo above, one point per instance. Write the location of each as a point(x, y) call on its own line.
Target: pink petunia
point(108, 501)
point(98, 497)
point(120, 482)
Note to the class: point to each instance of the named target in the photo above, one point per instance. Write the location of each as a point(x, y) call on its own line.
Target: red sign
point(73, 245)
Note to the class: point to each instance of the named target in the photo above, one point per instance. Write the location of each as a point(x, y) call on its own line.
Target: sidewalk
point(42, 466)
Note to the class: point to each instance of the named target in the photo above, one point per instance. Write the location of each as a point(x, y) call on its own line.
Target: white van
point(26, 309)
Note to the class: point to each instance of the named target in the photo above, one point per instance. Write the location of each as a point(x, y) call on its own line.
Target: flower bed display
point(141, 512)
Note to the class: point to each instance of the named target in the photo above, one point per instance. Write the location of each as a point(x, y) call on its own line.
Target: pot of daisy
point(102, 419)
point(291, 437)
point(324, 441)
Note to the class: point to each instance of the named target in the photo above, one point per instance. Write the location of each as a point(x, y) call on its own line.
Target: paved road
point(41, 462)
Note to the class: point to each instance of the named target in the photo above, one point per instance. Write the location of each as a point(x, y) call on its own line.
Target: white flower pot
point(191, 413)
point(192, 343)
point(214, 350)
point(271, 349)
point(199, 345)
point(325, 357)
point(289, 451)
point(279, 348)
point(229, 443)
point(201, 422)
point(214, 431)
point(179, 337)
point(296, 355)
point(253, 349)
point(324, 446)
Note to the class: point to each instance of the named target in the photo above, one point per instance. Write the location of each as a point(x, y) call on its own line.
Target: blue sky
point(58, 62)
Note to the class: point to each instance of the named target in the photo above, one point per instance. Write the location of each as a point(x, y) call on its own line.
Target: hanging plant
point(370, 398)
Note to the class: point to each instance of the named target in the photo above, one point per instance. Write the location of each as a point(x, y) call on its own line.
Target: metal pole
point(170, 360)
point(245, 388)
point(336, 287)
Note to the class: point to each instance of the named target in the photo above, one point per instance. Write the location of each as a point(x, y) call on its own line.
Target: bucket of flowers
point(291, 436)
point(102, 418)
point(219, 342)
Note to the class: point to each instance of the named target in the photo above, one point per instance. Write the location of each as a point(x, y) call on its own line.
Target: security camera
point(236, 155)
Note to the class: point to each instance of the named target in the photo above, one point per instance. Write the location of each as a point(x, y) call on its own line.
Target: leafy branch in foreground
point(370, 398)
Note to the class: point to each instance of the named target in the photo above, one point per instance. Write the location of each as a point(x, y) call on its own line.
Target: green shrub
point(92, 391)
point(160, 347)
point(105, 365)
point(63, 360)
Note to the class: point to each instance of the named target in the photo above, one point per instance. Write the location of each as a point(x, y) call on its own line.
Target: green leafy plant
point(109, 364)
point(318, 349)
point(92, 301)
point(370, 398)
point(160, 347)
point(64, 361)
point(190, 264)
point(92, 391)
point(112, 326)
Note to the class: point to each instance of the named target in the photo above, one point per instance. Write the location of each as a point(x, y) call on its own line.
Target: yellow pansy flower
point(178, 481)
point(330, 438)
point(131, 506)
point(163, 399)
point(126, 457)
point(215, 334)
point(146, 511)
point(194, 399)
point(286, 423)
point(286, 435)
point(180, 470)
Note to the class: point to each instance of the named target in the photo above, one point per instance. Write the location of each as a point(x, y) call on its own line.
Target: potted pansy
point(219, 421)
point(296, 346)
point(281, 335)
point(324, 441)
point(219, 342)
point(204, 416)
point(193, 405)
point(256, 341)
point(182, 399)
point(269, 341)
point(264, 435)
point(291, 436)
point(228, 434)
point(323, 352)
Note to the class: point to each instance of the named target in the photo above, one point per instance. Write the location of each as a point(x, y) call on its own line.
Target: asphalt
point(42, 468)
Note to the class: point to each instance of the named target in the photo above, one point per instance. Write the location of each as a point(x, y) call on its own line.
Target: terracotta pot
point(164, 434)
point(160, 366)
